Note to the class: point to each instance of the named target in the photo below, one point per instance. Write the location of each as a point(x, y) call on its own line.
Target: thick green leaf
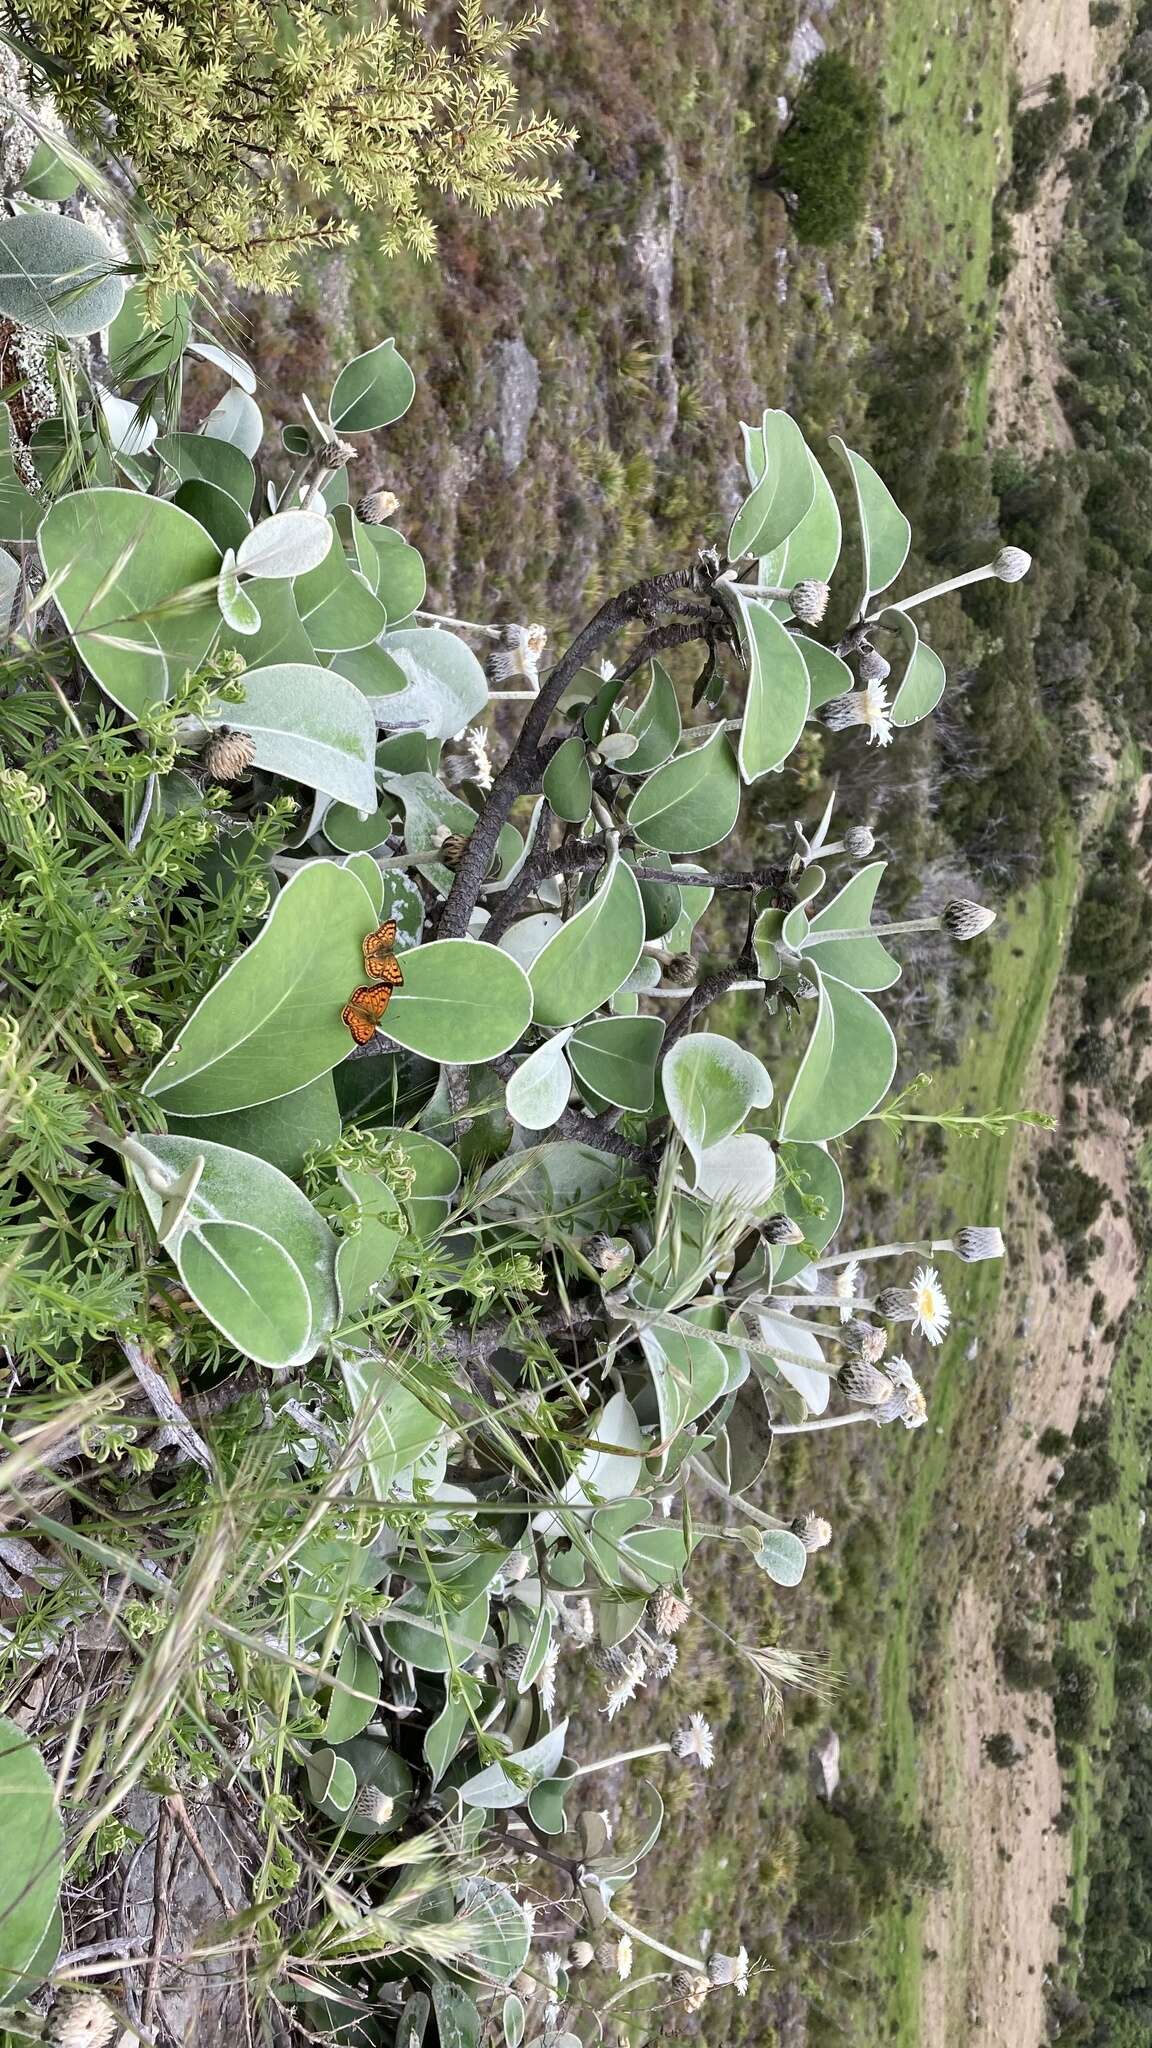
point(513, 2020)
point(56, 275)
point(828, 676)
point(462, 1002)
point(457, 2020)
point(287, 545)
point(495, 1935)
point(813, 549)
point(444, 688)
point(272, 1022)
point(861, 961)
point(689, 1372)
point(436, 1177)
point(922, 684)
point(136, 583)
point(847, 1067)
point(283, 1131)
point(690, 803)
point(350, 832)
point(414, 1630)
point(609, 1468)
point(31, 1868)
point(309, 725)
point(371, 391)
point(616, 1057)
point(782, 497)
point(246, 1236)
point(656, 726)
point(354, 1694)
point(233, 366)
point(884, 532)
point(236, 607)
point(221, 517)
point(364, 1255)
point(710, 1085)
point(392, 1427)
point(567, 781)
point(739, 1173)
point(393, 571)
point(194, 458)
point(592, 953)
point(279, 637)
point(337, 611)
point(447, 1731)
point(49, 174)
point(20, 512)
point(537, 1093)
point(777, 695)
point(379, 677)
point(782, 1556)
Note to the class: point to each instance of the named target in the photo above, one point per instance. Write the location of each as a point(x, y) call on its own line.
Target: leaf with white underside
point(309, 725)
point(288, 544)
point(777, 503)
point(710, 1085)
point(922, 684)
point(445, 688)
point(885, 534)
point(537, 1093)
point(778, 694)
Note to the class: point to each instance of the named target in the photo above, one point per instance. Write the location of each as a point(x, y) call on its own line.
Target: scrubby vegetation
point(824, 157)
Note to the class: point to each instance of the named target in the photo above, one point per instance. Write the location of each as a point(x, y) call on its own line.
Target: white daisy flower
point(518, 661)
point(624, 1957)
point(694, 1742)
point(627, 1685)
point(734, 1970)
point(867, 707)
point(845, 1289)
point(933, 1314)
point(546, 1679)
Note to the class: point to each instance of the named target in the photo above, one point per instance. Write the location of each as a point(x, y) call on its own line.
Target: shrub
point(824, 156)
point(1000, 1749)
point(227, 110)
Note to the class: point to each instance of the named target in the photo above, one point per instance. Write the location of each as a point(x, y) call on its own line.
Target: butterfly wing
point(380, 945)
point(363, 1011)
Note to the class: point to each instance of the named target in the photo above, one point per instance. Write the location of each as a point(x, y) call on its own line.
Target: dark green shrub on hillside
point(1038, 134)
point(824, 158)
point(1073, 1697)
point(1112, 936)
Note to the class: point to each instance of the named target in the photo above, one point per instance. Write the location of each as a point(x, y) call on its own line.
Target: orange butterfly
point(365, 1007)
point(363, 1011)
point(379, 951)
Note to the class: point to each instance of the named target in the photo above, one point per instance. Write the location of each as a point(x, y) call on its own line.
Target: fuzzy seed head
point(859, 842)
point(809, 601)
point(691, 1988)
point(863, 1384)
point(81, 2019)
point(730, 1970)
point(336, 454)
point(964, 920)
point(814, 1532)
point(864, 1341)
point(867, 707)
point(228, 755)
point(978, 1241)
point(1012, 564)
point(669, 1612)
point(453, 847)
point(781, 1230)
point(694, 1743)
point(581, 1955)
point(680, 971)
point(373, 1805)
point(376, 508)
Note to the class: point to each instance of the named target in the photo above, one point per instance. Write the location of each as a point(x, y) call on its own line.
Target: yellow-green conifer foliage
point(249, 125)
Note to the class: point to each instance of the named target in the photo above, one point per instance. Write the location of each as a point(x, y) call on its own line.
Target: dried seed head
point(859, 842)
point(907, 1404)
point(963, 920)
point(680, 970)
point(453, 847)
point(864, 1341)
point(1011, 564)
point(606, 1955)
point(781, 1230)
point(897, 1305)
point(730, 1970)
point(81, 2019)
point(814, 1532)
point(863, 1384)
point(375, 508)
point(519, 658)
point(662, 1661)
point(336, 454)
point(872, 666)
point(669, 1612)
point(691, 1988)
point(581, 1955)
point(373, 1805)
point(978, 1241)
point(610, 1254)
point(228, 755)
point(611, 1660)
point(809, 601)
point(694, 1743)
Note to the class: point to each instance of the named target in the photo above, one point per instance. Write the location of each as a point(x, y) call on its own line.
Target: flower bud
point(581, 1955)
point(872, 666)
point(781, 1230)
point(978, 1241)
point(814, 1532)
point(228, 755)
point(863, 1384)
point(680, 970)
point(897, 1305)
point(453, 847)
point(336, 454)
point(809, 601)
point(859, 842)
point(1011, 564)
point(964, 920)
point(375, 508)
